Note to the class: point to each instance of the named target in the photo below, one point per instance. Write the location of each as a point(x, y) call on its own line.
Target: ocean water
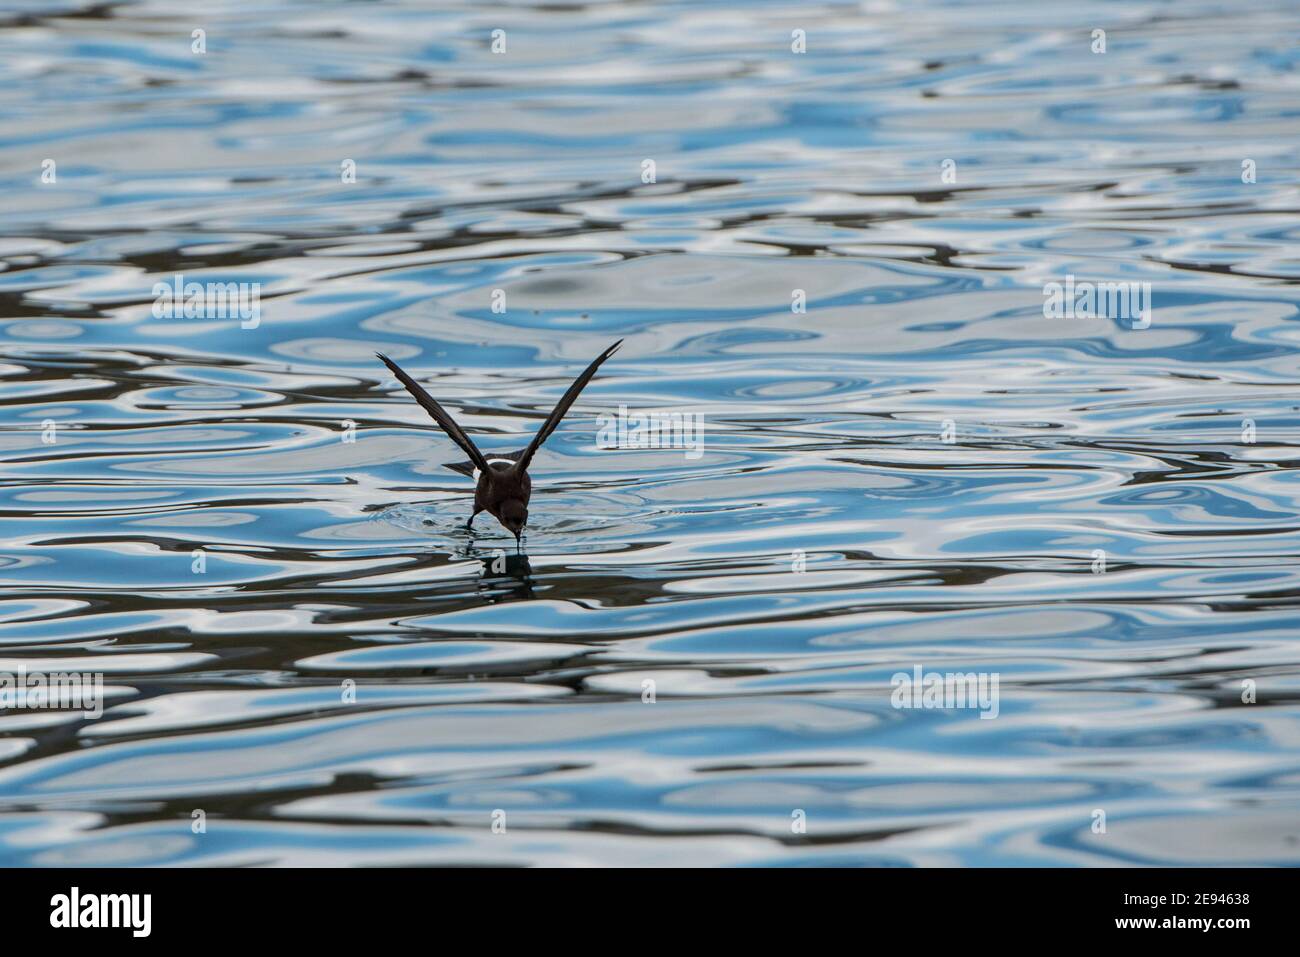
point(246, 527)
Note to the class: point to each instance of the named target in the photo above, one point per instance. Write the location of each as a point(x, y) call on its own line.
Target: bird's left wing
point(445, 421)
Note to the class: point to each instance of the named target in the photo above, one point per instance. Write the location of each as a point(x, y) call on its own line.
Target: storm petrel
point(503, 484)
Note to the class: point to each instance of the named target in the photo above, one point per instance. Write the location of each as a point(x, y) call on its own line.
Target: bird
point(502, 484)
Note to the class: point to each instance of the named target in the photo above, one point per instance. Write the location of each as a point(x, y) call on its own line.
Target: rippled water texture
point(486, 681)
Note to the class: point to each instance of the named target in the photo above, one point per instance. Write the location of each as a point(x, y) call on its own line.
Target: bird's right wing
point(445, 421)
point(561, 407)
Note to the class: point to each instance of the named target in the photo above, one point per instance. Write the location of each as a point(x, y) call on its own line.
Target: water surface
point(827, 538)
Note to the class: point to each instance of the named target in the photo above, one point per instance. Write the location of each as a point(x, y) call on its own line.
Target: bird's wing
point(561, 407)
point(446, 422)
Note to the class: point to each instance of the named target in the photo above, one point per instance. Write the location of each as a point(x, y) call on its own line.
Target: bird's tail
point(469, 468)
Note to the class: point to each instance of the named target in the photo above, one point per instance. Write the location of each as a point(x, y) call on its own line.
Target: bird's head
point(514, 516)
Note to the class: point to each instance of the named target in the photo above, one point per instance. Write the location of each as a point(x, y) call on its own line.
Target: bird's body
point(503, 486)
point(503, 491)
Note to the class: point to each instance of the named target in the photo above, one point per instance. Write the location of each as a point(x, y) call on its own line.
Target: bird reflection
point(505, 576)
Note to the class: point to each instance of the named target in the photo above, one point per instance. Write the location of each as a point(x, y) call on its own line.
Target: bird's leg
point(470, 523)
